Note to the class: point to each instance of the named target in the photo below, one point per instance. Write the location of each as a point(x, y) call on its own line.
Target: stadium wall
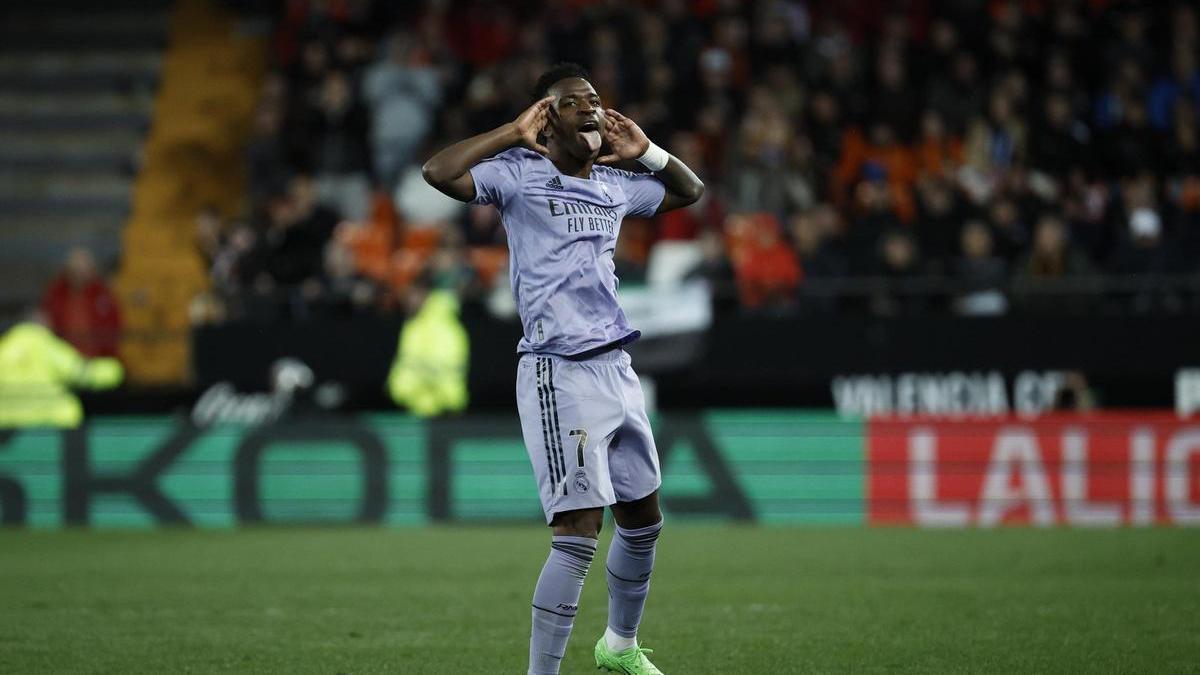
point(768, 466)
point(746, 360)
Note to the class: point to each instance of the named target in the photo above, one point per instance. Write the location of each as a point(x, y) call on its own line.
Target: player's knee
point(637, 514)
point(581, 523)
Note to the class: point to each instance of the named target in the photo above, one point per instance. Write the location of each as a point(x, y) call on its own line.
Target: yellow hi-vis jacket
point(429, 375)
point(36, 371)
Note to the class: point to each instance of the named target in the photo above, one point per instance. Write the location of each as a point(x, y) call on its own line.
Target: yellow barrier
point(193, 156)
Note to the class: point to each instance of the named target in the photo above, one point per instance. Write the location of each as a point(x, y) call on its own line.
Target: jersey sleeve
point(496, 178)
point(644, 192)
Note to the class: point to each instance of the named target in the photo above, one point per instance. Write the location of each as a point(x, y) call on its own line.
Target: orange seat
point(370, 246)
point(742, 231)
point(421, 238)
point(405, 266)
point(488, 262)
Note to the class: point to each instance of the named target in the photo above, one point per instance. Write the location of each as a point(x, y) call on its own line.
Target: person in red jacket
point(81, 308)
point(767, 270)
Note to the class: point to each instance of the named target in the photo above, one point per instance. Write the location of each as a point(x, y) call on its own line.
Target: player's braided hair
point(559, 71)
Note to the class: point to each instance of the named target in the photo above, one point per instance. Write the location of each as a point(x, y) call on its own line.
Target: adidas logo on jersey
point(555, 183)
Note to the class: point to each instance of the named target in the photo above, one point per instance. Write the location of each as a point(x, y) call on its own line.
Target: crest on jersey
point(581, 482)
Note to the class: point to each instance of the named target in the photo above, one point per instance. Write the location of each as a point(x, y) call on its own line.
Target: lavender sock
point(630, 561)
point(556, 600)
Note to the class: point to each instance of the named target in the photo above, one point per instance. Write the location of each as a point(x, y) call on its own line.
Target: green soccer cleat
point(632, 661)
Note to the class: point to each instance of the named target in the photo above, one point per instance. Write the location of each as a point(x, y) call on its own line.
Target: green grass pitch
point(724, 600)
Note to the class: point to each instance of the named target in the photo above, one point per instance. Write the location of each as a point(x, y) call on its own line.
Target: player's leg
point(629, 565)
point(564, 426)
point(633, 462)
point(556, 597)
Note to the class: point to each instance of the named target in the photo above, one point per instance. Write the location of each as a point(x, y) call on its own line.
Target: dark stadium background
point(946, 271)
point(892, 187)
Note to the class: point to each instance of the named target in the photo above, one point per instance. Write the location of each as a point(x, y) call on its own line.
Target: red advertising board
point(1100, 470)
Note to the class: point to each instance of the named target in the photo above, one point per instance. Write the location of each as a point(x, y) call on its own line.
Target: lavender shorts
point(586, 431)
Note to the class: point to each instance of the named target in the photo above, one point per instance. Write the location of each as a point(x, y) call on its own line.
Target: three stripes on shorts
point(551, 434)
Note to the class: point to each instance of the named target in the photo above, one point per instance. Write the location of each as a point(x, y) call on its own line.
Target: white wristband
point(654, 158)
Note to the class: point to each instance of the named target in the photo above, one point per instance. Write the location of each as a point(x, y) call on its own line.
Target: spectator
point(686, 224)
point(894, 99)
point(938, 153)
point(311, 213)
point(912, 119)
point(340, 291)
point(767, 271)
point(239, 261)
point(1052, 256)
point(875, 215)
point(420, 205)
point(210, 232)
point(958, 97)
point(1141, 256)
point(1143, 252)
point(1059, 141)
point(266, 156)
point(980, 274)
point(483, 227)
point(878, 157)
point(81, 309)
point(939, 217)
point(1183, 83)
point(38, 371)
point(1131, 146)
point(1049, 276)
point(1008, 227)
point(995, 144)
point(291, 251)
point(338, 140)
point(813, 235)
point(448, 269)
point(898, 264)
point(768, 170)
point(716, 268)
point(403, 90)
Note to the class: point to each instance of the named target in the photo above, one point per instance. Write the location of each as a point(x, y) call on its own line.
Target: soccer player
point(582, 412)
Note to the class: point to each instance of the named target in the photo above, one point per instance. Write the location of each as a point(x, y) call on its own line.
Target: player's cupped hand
point(625, 138)
point(531, 123)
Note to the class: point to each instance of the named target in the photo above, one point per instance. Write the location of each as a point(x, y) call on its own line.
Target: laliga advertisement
point(1112, 469)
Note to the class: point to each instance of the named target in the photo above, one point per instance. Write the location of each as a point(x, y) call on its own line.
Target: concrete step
point(37, 20)
point(67, 101)
point(80, 63)
point(20, 226)
point(107, 206)
point(64, 185)
point(73, 149)
point(66, 6)
point(67, 110)
point(32, 42)
point(73, 120)
point(143, 83)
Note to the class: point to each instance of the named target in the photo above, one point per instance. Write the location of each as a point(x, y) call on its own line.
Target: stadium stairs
point(77, 83)
point(193, 157)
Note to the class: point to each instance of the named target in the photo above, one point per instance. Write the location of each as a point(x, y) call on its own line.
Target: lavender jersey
point(562, 232)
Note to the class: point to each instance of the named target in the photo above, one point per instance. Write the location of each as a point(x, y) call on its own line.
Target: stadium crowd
point(853, 151)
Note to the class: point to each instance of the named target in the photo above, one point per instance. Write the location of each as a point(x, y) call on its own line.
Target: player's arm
point(450, 170)
point(628, 141)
